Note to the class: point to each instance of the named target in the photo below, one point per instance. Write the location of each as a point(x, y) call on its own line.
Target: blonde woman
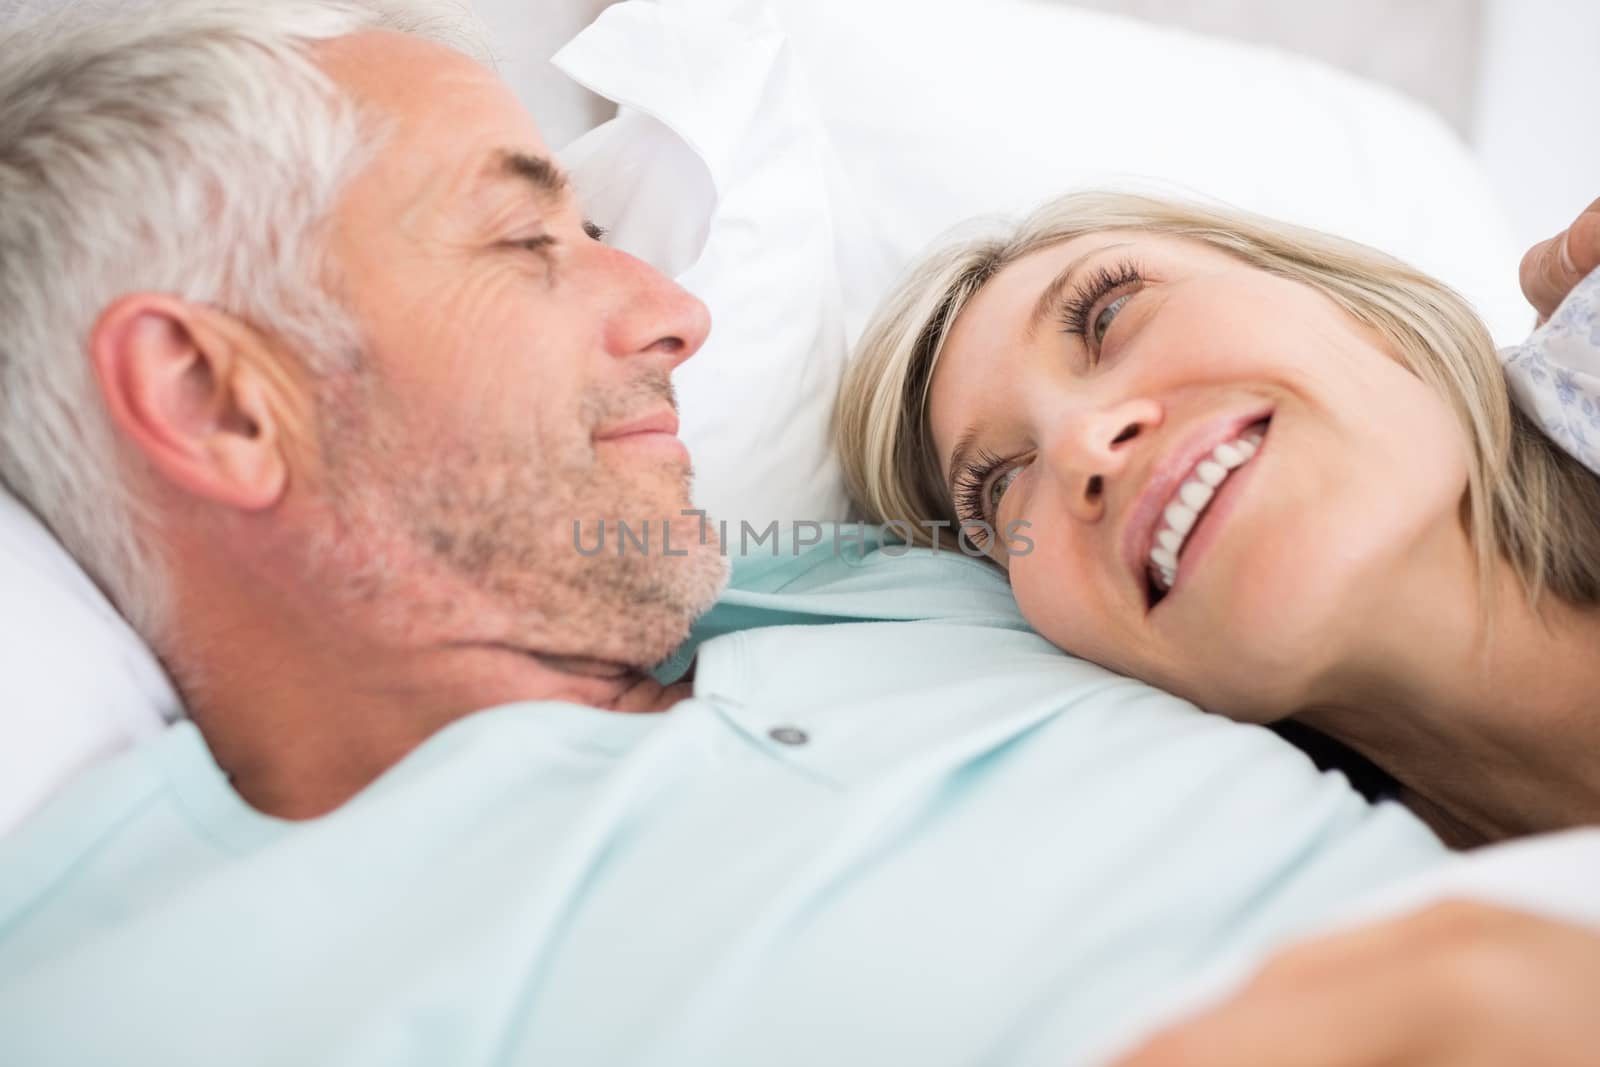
point(1269, 470)
point(1281, 475)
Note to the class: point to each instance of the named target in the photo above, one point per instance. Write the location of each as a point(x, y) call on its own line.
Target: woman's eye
point(1102, 321)
point(998, 487)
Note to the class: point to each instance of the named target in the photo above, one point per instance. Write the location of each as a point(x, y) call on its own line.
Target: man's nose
point(1089, 449)
point(652, 314)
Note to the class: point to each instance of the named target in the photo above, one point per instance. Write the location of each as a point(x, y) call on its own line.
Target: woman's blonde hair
point(1528, 502)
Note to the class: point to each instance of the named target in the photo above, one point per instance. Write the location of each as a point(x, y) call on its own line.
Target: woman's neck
point(1493, 733)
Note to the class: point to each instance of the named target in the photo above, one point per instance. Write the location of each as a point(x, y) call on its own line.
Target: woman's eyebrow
point(1053, 295)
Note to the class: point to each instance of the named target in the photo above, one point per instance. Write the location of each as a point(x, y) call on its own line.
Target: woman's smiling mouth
point(1183, 513)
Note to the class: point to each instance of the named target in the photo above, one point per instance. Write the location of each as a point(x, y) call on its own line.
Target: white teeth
point(1229, 456)
point(1192, 497)
point(1196, 494)
point(1180, 518)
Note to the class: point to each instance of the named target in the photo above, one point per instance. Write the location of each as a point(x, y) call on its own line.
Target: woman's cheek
point(1053, 595)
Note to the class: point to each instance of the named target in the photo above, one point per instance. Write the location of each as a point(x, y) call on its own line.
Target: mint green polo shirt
point(892, 826)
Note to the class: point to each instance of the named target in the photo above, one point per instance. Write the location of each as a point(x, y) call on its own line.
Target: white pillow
point(716, 172)
point(79, 684)
point(945, 109)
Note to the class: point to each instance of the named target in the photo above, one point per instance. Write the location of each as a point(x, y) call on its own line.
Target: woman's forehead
point(1003, 315)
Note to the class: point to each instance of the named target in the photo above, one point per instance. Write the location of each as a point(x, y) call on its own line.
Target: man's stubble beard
point(483, 537)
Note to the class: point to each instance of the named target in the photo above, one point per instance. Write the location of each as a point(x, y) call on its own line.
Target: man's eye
point(541, 244)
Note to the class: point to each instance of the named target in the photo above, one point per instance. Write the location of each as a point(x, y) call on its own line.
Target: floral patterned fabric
point(1555, 374)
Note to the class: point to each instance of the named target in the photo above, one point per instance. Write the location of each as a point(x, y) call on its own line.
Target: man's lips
point(662, 422)
point(1144, 519)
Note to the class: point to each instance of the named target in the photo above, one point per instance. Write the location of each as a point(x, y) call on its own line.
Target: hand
point(1456, 985)
point(1551, 268)
point(647, 694)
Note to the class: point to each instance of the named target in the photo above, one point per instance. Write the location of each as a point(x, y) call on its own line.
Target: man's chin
point(637, 605)
point(693, 587)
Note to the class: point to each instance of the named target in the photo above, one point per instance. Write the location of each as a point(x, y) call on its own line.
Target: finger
point(1369, 1023)
point(1359, 998)
point(647, 694)
point(1551, 268)
point(1547, 275)
point(1583, 240)
point(1407, 937)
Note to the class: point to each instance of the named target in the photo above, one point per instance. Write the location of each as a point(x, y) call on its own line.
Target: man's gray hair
point(189, 147)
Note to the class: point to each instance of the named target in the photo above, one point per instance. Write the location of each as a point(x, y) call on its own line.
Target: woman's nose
point(1091, 449)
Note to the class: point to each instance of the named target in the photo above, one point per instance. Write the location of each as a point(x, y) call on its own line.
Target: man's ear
point(195, 391)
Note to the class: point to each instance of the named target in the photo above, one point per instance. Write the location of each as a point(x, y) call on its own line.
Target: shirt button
point(788, 735)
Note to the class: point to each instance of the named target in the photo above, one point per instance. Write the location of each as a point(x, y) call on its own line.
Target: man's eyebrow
point(959, 457)
point(1054, 294)
point(549, 181)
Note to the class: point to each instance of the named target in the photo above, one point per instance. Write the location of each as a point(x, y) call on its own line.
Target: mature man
point(311, 359)
point(374, 516)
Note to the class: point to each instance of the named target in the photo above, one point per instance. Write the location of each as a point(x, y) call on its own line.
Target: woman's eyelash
point(1080, 303)
point(972, 483)
point(595, 231)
